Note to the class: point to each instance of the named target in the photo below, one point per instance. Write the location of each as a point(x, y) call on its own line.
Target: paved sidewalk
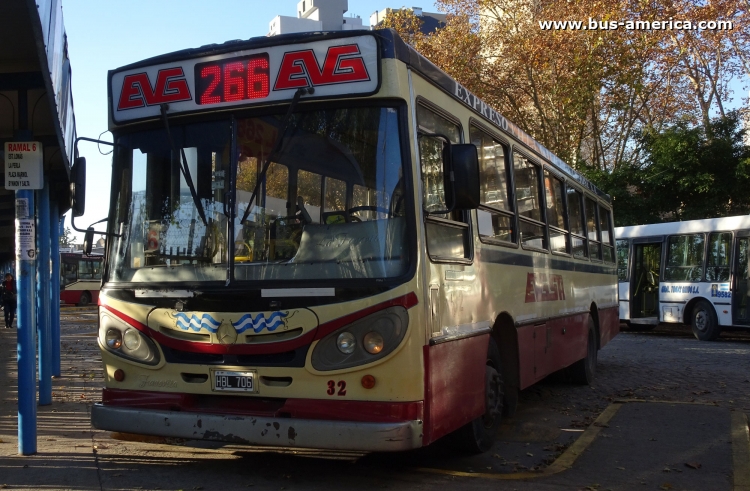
point(643, 445)
point(65, 459)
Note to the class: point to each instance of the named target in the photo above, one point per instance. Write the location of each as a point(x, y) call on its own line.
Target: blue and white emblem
point(196, 323)
point(260, 322)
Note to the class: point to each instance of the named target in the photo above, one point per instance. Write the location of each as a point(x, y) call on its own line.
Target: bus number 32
point(332, 388)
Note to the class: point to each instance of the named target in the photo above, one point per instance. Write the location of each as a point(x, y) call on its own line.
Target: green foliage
point(67, 238)
point(689, 173)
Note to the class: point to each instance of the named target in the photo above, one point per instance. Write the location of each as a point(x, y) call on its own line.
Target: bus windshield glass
point(330, 204)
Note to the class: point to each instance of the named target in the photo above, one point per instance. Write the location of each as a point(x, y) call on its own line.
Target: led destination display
point(335, 67)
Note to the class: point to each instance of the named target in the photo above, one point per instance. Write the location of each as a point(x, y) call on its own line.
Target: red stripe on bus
point(368, 411)
point(609, 325)
point(406, 301)
point(217, 349)
point(454, 385)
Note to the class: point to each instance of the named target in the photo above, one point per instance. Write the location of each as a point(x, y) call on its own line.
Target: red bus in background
point(80, 277)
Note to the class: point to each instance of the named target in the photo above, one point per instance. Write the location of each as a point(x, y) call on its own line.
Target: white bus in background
point(693, 272)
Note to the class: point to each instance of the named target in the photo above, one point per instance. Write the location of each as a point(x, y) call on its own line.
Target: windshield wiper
point(276, 147)
point(183, 165)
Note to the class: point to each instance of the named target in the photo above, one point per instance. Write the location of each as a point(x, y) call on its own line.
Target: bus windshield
point(331, 203)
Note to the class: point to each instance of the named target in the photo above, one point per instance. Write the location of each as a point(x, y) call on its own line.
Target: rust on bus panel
point(544, 287)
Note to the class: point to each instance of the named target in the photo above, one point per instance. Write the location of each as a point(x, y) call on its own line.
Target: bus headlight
point(373, 342)
point(346, 342)
point(124, 340)
point(361, 342)
point(113, 338)
point(132, 339)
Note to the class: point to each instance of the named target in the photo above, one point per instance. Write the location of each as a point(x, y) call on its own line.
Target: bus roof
point(686, 227)
point(390, 45)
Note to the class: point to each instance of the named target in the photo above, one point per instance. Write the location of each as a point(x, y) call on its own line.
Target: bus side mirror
point(78, 186)
point(88, 241)
point(465, 165)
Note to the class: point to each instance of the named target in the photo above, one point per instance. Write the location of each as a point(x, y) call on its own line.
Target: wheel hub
point(493, 396)
point(700, 320)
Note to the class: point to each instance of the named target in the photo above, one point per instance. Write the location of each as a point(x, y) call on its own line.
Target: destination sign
point(335, 67)
point(23, 165)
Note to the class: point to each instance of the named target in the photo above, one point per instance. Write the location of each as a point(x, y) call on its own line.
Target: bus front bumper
point(251, 430)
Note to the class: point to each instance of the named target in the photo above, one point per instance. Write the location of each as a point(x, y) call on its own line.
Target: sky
point(104, 35)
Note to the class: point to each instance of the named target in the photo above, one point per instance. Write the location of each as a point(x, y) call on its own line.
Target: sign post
point(25, 275)
point(44, 328)
point(23, 174)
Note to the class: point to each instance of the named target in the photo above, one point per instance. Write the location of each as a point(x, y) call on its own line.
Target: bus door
point(644, 280)
point(741, 289)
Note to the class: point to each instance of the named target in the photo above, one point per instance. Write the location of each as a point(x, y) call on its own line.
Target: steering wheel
point(356, 209)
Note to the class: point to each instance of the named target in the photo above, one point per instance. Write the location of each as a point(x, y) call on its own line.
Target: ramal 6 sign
point(23, 165)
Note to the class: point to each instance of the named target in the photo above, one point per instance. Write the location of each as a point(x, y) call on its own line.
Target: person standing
point(10, 298)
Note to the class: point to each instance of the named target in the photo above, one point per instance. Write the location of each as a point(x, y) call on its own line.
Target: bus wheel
point(705, 325)
point(583, 371)
point(479, 435)
point(85, 299)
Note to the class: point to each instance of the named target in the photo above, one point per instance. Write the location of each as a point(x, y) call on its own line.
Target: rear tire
point(703, 322)
point(583, 371)
point(85, 299)
point(479, 435)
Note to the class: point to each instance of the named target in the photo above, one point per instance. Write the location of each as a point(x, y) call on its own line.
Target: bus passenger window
point(623, 249)
point(592, 225)
point(495, 215)
point(310, 189)
point(447, 233)
point(334, 203)
point(605, 226)
point(575, 220)
point(684, 258)
point(558, 231)
point(719, 252)
point(531, 221)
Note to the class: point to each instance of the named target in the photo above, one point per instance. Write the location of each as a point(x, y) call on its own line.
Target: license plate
point(234, 381)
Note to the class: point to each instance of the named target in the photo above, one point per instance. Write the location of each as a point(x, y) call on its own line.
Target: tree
point(67, 239)
point(587, 94)
point(689, 173)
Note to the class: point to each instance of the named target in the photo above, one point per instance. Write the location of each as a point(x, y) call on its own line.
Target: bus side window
point(529, 203)
point(623, 250)
point(310, 189)
point(495, 215)
point(447, 234)
point(684, 258)
point(719, 253)
point(334, 201)
point(559, 235)
point(85, 271)
point(592, 226)
point(605, 227)
point(575, 221)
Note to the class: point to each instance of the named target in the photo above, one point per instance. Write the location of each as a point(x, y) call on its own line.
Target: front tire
point(583, 371)
point(479, 435)
point(704, 323)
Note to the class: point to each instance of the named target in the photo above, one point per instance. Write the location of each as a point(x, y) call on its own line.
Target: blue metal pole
point(44, 329)
point(54, 292)
point(25, 275)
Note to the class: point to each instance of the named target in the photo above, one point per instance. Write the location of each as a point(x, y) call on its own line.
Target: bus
point(322, 240)
point(80, 277)
point(693, 272)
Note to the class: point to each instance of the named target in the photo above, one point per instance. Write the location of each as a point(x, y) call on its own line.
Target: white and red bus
point(693, 272)
point(322, 240)
point(80, 277)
